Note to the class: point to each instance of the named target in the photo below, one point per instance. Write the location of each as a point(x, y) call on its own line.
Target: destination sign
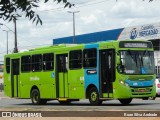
point(135, 44)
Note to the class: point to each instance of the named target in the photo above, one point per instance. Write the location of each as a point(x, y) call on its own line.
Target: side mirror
point(118, 59)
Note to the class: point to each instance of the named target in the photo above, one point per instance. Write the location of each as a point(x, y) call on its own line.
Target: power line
point(82, 4)
point(60, 8)
point(87, 2)
point(93, 3)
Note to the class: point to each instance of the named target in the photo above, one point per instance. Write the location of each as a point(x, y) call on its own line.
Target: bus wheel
point(125, 101)
point(152, 98)
point(94, 97)
point(35, 97)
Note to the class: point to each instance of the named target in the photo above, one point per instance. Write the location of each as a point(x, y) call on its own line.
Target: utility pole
point(73, 12)
point(7, 39)
point(7, 33)
point(15, 34)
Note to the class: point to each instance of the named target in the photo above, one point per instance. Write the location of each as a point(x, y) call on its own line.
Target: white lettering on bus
point(34, 78)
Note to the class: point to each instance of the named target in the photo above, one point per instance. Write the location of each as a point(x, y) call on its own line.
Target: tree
point(11, 8)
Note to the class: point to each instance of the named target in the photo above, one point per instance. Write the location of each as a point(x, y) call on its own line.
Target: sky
point(93, 16)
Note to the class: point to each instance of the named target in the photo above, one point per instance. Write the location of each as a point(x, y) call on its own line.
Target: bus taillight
point(158, 85)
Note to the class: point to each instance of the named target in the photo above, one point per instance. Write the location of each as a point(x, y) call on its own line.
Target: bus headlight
point(123, 83)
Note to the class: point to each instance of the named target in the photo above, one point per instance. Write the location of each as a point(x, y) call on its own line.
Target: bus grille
point(141, 91)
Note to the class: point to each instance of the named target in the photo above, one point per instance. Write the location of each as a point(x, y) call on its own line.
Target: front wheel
point(125, 101)
point(152, 98)
point(94, 97)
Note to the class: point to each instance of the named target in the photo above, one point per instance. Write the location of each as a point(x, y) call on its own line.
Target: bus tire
point(35, 98)
point(152, 98)
point(125, 101)
point(94, 97)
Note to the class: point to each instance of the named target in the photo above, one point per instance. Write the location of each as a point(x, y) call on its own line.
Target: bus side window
point(48, 61)
point(90, 58)
point(8, 65)
point(36, 62)
point(75, 59)
point(26, 63)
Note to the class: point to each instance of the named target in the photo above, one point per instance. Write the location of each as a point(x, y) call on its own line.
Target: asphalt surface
point(7, 103)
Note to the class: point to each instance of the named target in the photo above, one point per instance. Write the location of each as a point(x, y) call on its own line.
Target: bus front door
point(62, 76)
point(15, 77)
point(107, 72)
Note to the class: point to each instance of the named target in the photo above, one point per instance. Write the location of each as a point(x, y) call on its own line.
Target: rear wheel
point(94, 97)
point(35, 98)
point(125, 101)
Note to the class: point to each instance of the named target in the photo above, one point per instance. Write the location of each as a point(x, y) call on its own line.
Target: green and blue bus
point(101, 71)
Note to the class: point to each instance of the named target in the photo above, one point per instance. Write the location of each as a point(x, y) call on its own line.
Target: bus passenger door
point(15, 77)
point(107, 72)
point(62, 75)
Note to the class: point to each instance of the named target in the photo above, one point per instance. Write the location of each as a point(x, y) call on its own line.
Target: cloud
point(89, 19)
point(134, 9)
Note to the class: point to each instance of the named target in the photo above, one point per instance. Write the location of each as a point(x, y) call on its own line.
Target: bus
point(100, 71)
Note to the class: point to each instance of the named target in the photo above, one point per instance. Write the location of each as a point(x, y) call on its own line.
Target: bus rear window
point(26, 63)
point(89, 58)
point(8, 65)
point(48, 61)
point(36, 62)
point(75, 59)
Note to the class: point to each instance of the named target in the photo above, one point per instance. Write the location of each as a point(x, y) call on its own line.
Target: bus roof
point(66, 46)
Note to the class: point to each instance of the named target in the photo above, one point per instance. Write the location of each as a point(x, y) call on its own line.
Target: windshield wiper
point(144, 53)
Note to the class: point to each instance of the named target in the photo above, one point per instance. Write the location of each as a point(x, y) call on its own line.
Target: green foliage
point(9, 9)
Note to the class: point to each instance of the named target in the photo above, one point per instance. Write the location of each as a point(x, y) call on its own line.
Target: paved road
point(25, 104)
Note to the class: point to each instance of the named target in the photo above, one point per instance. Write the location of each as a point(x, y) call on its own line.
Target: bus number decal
point(91, 71)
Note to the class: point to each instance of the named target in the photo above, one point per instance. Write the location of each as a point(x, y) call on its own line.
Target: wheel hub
point(94, 96)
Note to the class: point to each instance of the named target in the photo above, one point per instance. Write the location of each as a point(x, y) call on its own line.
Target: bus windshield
point(136, 62)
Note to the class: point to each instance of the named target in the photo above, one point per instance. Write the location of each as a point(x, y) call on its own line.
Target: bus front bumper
point(123, 92)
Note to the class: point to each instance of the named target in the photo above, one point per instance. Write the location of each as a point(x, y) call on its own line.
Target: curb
point(4, 98)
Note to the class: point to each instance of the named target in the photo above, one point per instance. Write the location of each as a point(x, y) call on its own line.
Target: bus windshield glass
point(136, 62)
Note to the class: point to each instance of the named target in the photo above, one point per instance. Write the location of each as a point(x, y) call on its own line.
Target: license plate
point(142, 90)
